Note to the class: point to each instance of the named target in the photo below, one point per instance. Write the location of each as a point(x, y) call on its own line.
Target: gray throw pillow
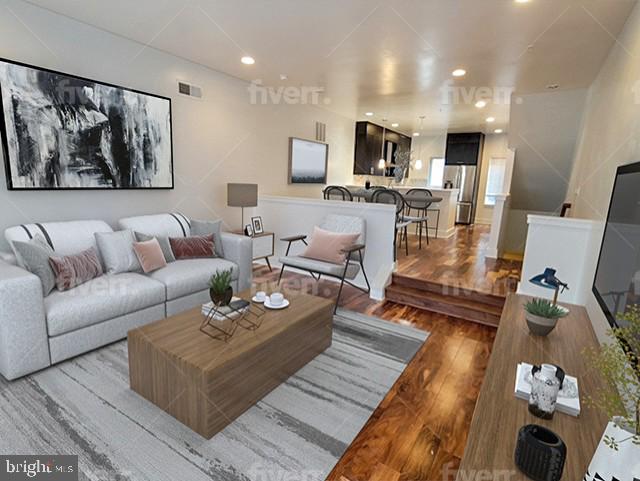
point(208, 227)
point(116, 250)
point(35, 258)
point(165, 246)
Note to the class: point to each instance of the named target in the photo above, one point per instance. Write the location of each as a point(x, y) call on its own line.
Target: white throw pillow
point(116, 250)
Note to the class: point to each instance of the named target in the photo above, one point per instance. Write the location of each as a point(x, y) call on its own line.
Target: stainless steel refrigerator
point(463, 177)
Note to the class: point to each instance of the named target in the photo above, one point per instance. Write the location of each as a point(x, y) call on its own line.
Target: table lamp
point(242, 195)
point(548, 280)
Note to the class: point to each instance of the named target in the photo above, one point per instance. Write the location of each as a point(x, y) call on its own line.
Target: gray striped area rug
point(297, 432)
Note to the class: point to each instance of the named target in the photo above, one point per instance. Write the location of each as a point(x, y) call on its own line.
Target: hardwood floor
point(419, 431)
point(460, 261)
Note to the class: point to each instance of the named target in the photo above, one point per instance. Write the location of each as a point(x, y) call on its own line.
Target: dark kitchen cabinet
point(369, 149)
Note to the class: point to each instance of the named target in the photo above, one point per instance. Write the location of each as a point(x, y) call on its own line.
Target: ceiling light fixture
point(522, 1)
point(369, 114)
point(491, 119)
point(382, 163)
point(247, 60)
point(498, 131)
point(481, 104)
point(459, 72)
point(395, 124)
point(416, 134)
point(283, 76)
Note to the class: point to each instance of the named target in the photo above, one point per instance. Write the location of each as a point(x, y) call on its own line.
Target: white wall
point(221, 138)
point(610, 137)
point(495, 145)
point(543, 130)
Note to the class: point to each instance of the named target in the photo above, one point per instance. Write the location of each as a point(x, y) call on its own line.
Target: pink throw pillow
point(150, 255)
point(71, 271)
point(195, 247)
point(328, 246)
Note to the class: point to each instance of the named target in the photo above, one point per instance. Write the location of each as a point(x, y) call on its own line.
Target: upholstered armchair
point(347, 271)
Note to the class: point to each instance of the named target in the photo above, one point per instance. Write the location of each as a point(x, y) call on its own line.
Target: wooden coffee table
point(206, 383)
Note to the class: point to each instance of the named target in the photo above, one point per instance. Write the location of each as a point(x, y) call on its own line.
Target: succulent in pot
point(220, 289)
point(542, 316)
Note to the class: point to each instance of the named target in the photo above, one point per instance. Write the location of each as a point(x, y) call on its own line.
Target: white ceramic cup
point(276, 299)
point(261, 296)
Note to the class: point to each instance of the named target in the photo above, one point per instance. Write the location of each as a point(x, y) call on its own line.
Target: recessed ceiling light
point(522, 1)
point(491, 119)
point(248, 60)
point(553, 86)
point(481, 104)
point(498, 131)
point(369, 114)
point(459, 72)
point(416, 134)
point(395, 124)
point(283, 76)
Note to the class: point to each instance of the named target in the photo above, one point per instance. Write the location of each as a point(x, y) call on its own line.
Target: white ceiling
point(393, 58)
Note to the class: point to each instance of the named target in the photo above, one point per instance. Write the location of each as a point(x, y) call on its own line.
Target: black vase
point(540, 453)
point(222, 299)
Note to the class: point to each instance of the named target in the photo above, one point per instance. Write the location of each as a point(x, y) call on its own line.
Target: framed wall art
point(62, 132)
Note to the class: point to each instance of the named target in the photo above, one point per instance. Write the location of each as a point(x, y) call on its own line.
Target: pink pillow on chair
point(150, 255)
point(328, 246)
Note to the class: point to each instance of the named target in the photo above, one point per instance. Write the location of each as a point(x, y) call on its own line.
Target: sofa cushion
point(66, 238)
point(165, 245)
point(323, 267)
point(99, 300)
point(116, 249)
point(207, 227)
point(74, 270)
point(184, 277)
point(194, 247)
point(35, 257)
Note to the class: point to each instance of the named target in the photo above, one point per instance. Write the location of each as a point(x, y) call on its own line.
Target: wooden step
point(450, 305)
point(443, 289)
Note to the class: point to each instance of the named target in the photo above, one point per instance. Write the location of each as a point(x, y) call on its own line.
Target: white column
point(498, 225)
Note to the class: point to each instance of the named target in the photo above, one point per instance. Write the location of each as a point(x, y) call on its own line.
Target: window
point(436, 172)
point(495, 179)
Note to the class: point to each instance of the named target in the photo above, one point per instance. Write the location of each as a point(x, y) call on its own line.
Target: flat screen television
point(617, 281)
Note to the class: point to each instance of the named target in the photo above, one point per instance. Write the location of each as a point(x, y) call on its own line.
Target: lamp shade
point(242, 195)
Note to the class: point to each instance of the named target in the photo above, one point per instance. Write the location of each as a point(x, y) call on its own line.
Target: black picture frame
point(293, 178)
point(258, 227)
point(5, 142)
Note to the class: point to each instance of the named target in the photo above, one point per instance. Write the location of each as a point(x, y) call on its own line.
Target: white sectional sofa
point(38, 331)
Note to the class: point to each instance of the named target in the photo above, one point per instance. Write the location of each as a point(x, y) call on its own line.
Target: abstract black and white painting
point(65, 132)
point(308, 161)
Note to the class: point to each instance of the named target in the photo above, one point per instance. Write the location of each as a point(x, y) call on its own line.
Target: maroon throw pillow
point(195, 247)
point(71, 271)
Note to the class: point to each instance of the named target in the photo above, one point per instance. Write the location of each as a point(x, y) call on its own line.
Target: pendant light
point(382, 163)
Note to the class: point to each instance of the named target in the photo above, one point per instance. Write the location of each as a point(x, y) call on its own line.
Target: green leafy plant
point(220, 282)
point(544, 308)
point(618, 364)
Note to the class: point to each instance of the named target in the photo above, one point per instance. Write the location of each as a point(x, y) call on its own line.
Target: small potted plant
point(542, 316)
point(619, 448)
point(220, 289)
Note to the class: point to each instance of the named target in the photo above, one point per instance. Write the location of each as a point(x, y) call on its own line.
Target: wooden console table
point(499, 415)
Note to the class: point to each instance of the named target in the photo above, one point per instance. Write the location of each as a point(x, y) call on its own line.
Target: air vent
point(189, 90)
point(321, 132)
